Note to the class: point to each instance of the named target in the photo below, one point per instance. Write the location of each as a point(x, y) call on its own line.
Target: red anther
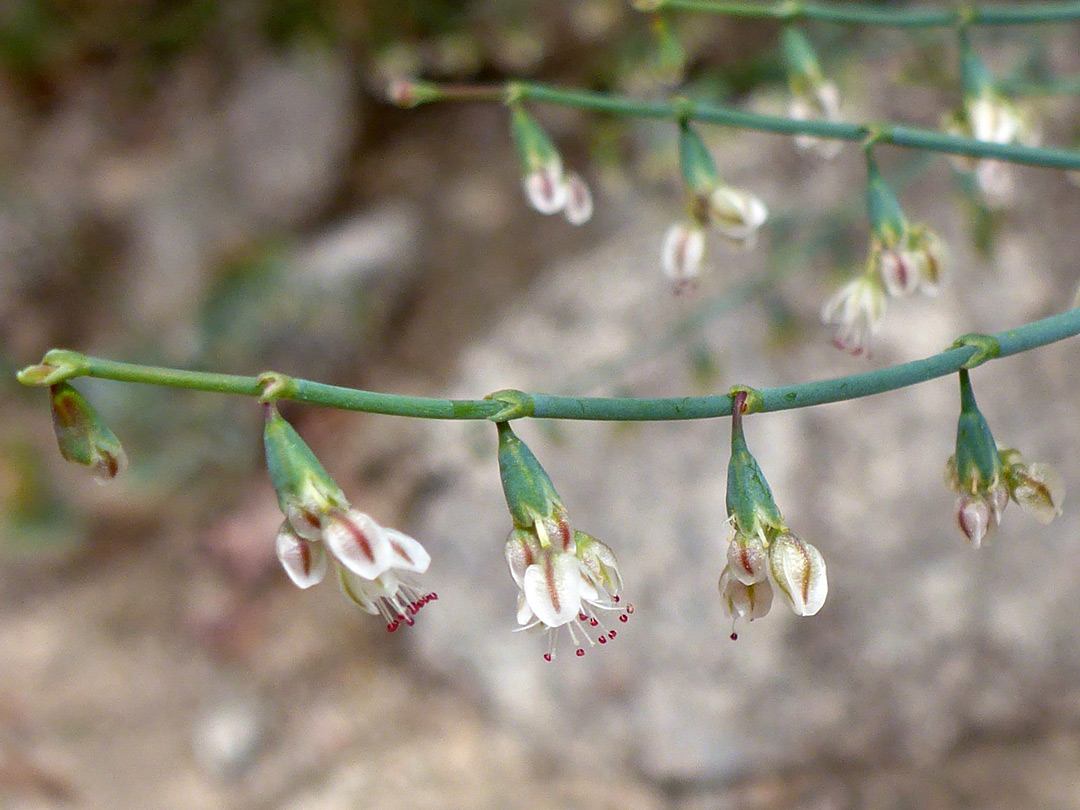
point(734, 636)
point(547, 656)
point(629, 608)
point(580, 652)
point(409, 620)
point(390, 628)
point(594, 622)
point(624, 618)
point(617, 600)
point(602, 639)
point(581, 616)
point(433, 596)
point(612, 634)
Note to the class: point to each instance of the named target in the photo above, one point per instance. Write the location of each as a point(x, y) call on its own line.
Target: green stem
point(547, 406)
point(896, 134)
point(862, 14)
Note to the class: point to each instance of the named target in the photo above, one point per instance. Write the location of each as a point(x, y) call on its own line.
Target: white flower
point(742, 601)
point(737, 214)
point(564, 584)
point(993, 118)
point(551, 190)
point(855, 311)
point(681, 255)
point(798, 570)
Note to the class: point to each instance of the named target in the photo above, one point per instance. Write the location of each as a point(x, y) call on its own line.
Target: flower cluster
point(762, 551)
point(735, 213)
point(902, 259)
point(372, 561)
point(564, 576)
point(813, 97)
point(548, 186)
point(986, 475)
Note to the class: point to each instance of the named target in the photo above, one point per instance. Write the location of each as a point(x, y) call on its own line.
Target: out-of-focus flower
point(373, 562)
point(986, 114)
point(736, 213)
point(855, 312)
point(813, 98)
point(762, 551)
point(548, 186)
point(82, 435)
point(1037, 487)
point(566, 578)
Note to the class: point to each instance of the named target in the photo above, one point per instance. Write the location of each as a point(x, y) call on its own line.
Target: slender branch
point(896, 134)
point(547, 406)
point(862, 14)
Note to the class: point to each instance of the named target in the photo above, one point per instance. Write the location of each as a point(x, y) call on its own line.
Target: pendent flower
point(762, 551)
point(565, 577)
point(735, 213)
point(813, 98)
point(986, 114)
point(549, 188)
point(373, 563)
point(985, 476)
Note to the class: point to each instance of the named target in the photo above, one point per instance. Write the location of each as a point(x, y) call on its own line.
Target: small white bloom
point(742, 601)
point(855, 311)
point(681, 254)
point(821, 102)
point(737, 214)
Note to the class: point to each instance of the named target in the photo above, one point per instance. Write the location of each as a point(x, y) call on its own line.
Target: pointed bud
point(799, 57)
point(681, 255)
point(82, 434)
point(698, 168)
point(977, 462)
point(750, 504)
point(799, 571)
point(530, 495)
point(973, 517)
point(303, 560)
point(544, 183)
point(887, 219)
point(306, 492)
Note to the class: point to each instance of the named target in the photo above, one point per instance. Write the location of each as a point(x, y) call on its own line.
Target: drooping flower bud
point(83, 436)
point(762, 549)
point(681, 255)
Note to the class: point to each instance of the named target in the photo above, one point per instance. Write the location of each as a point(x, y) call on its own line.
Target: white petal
point(682, 252)
point(579, 203)
point(552, 588)
point(359, 590)
point(546, 189)
point(799, 571)
point(524, 612)
point(409, 555)
point(359, 543)
point(522, 550)
point(304, 561)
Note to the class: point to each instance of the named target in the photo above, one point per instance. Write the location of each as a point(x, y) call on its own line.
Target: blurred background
point(220, 186)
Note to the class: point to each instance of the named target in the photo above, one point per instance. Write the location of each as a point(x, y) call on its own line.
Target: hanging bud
point(579, 204)
point(698, 168)
point(887, 220)
point(975, 472)
point(565, 578)
point(762, 550)
point(681, 255)
point(82, 434)
point(540, 161)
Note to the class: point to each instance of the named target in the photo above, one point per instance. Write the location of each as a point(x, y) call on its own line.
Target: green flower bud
point(82, 434)
point(698, 168)
point(800, 59)
point(883, 206)
point(530, 495)
point(750, 504)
